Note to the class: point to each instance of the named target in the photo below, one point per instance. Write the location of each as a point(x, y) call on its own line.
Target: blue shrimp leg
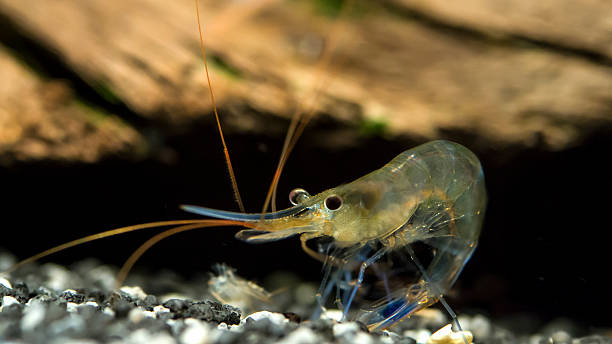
point(382, 275)
point(364, 266)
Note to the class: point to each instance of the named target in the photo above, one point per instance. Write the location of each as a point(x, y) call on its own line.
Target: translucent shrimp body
point(393, 241)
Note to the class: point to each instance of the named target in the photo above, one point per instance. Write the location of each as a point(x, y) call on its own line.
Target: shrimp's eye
point(297, 196)
point(333, 202)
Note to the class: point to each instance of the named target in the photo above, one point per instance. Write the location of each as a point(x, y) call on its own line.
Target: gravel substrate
point(52, 304)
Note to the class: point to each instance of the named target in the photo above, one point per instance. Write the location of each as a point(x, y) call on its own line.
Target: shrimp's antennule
point(228, 162)
point(305, 112)
point(117, 231)
point(129, 263)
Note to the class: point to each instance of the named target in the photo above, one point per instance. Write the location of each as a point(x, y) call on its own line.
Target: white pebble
point(73, 322)
point(536, 339)
point(8, 300)
point(160, 309)
point(345, 329)
point(196, 332)
point(33, 315)
point(144, 336)
point(64, 340)
point(72, 307)
point(109, 311)
point(58, 276)
point(136, 292)
point(362, 338)
point(275, 318)
point(104, 275)
point(302, 335)
point(480, 326)
point(446, 335)
point(332, 314)
point(222, 326)
point(6, 283)
point(137, 314)
point(6, 261)
point(421, 336)
point(561, 337)
point(89, 304)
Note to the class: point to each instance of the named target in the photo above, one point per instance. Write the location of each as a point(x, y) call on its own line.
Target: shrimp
point(432, 195)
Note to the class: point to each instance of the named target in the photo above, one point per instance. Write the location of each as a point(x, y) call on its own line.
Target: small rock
point(175, 305)
point(480, 326)
point(134, 292)
point(72, 307)
point(276, 318)
point(160, 309)
point(72, 296)
point(333, 314)
point(345, 330)
point(302, 335)
point(145, 336)
point(196, 332)
point(362, 338)
point(33, 315)
point(9, 300)
point(446, 335)
point(420, 336)
point(137, 314)
point(561, 337)
point(6, 283)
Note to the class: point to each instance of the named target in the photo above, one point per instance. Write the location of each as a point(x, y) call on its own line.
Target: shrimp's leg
point(382, 275)
point(436, 290)
point(323, 292)
point(364, 266)
point(316, 255)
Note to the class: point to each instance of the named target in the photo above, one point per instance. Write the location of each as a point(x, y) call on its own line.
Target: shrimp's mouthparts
point(253, 217)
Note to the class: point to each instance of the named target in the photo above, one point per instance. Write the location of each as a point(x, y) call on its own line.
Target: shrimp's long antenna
point(304, 113)
point(101, 235)
point(214, 104)
point(129, 263)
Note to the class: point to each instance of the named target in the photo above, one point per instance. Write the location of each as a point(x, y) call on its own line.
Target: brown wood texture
point(417, 76)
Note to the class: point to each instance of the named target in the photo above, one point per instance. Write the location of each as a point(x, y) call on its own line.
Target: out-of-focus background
point(105, 121)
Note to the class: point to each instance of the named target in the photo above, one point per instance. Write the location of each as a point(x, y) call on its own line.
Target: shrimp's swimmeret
point(393, 241)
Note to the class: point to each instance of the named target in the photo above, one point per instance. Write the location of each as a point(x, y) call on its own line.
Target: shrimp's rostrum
point(411, 225)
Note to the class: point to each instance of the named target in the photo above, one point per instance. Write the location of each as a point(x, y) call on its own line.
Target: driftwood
point(522, 75)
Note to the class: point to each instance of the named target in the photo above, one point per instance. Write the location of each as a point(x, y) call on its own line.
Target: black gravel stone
point(121, 304)
point(175, 305)
point(149, 302)
point(211, 311)
point(73, 297)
